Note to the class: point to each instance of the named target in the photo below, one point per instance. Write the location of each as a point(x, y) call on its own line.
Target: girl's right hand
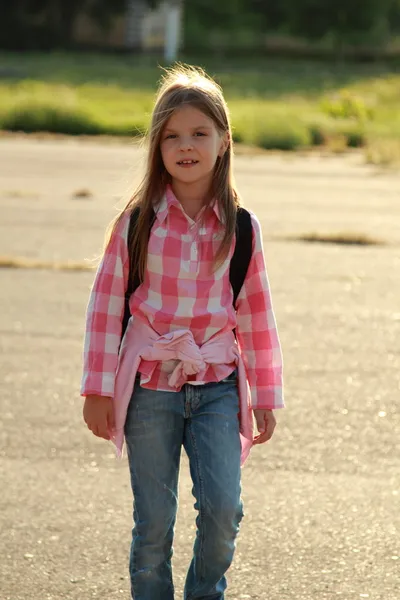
point(98, 414)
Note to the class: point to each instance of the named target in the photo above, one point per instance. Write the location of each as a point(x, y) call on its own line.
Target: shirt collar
point(216, 208)
point(169, 199)
point(163, 206)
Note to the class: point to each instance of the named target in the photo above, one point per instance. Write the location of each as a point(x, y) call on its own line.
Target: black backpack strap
point(133, 278)
point(243, 250)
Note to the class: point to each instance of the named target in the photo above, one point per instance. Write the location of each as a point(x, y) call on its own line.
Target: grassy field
point(275, 104)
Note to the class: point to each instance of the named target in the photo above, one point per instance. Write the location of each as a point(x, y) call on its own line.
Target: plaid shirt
point(181, 291)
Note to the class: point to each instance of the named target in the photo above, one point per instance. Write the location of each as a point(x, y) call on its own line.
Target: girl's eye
point(200, 133)
point(171, 136)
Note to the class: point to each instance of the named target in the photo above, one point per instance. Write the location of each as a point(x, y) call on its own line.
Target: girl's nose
point(186, 144)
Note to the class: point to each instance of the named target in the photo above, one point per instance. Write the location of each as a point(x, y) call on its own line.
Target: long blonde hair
point(182, 85)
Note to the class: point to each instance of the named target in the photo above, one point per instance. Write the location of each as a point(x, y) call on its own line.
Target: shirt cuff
point(99, 386)
point(267, 398)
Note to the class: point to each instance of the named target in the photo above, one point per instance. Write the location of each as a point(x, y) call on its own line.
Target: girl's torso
point(181, 289)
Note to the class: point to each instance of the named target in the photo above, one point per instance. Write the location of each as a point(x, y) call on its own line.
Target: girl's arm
point(257, 333)
point(104, 316)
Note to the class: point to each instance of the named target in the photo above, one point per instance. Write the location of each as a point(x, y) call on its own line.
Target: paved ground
point(322, 499)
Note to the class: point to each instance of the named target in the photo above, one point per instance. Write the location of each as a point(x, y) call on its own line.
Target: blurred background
point(296, 73)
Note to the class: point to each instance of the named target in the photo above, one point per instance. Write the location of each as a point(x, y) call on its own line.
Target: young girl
point(192, 368)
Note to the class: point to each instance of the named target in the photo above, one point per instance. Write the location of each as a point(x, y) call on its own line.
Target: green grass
point(274, 104)
point(383, 152)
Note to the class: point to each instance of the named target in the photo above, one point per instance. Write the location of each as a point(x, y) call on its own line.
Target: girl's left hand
point(266, 423)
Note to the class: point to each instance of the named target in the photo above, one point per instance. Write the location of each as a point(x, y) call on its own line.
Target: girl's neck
point(191, 196)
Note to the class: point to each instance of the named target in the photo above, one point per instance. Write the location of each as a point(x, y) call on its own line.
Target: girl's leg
point(154, 434)
point(213, 446)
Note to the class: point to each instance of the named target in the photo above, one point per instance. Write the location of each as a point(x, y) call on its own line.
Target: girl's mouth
point(187, 163)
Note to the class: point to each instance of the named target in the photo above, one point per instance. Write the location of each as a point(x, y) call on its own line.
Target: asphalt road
point(322, 499)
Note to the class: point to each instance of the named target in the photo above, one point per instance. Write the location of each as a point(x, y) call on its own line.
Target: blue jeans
point(205, 420)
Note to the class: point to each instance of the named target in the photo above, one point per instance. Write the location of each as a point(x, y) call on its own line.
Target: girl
point(192, 367)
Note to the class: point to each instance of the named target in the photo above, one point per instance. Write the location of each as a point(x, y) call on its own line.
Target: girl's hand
point(266, 423)
point(98, 414)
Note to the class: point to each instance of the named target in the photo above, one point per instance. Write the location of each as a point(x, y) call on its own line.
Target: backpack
point(239, 263)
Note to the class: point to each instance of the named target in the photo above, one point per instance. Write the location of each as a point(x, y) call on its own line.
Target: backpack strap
point(133, 277)
point(243, 250)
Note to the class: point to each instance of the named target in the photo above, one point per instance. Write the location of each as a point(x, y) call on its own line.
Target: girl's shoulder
point(255, 222)
point(256, 231)
point(122, 222)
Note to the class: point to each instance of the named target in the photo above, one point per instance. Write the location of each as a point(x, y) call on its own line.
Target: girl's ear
point(225, 141)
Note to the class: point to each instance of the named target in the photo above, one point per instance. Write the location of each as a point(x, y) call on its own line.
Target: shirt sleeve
point(256, 331)
point(104, 316)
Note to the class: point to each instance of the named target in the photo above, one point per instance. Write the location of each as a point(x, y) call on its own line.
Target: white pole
point(172, 30)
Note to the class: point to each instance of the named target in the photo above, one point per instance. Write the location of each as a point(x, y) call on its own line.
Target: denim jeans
point(204, 419)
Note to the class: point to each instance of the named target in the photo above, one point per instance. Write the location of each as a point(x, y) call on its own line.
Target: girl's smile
point(187, 164)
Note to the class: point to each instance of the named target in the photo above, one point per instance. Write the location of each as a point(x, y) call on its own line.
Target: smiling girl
point(197, 359)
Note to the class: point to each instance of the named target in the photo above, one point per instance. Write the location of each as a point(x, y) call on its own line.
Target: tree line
point(45, 24)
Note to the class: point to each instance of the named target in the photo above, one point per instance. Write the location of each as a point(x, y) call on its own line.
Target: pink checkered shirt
point(181, 291)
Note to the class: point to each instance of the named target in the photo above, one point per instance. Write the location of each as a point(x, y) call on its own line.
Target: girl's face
point(190, 146)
